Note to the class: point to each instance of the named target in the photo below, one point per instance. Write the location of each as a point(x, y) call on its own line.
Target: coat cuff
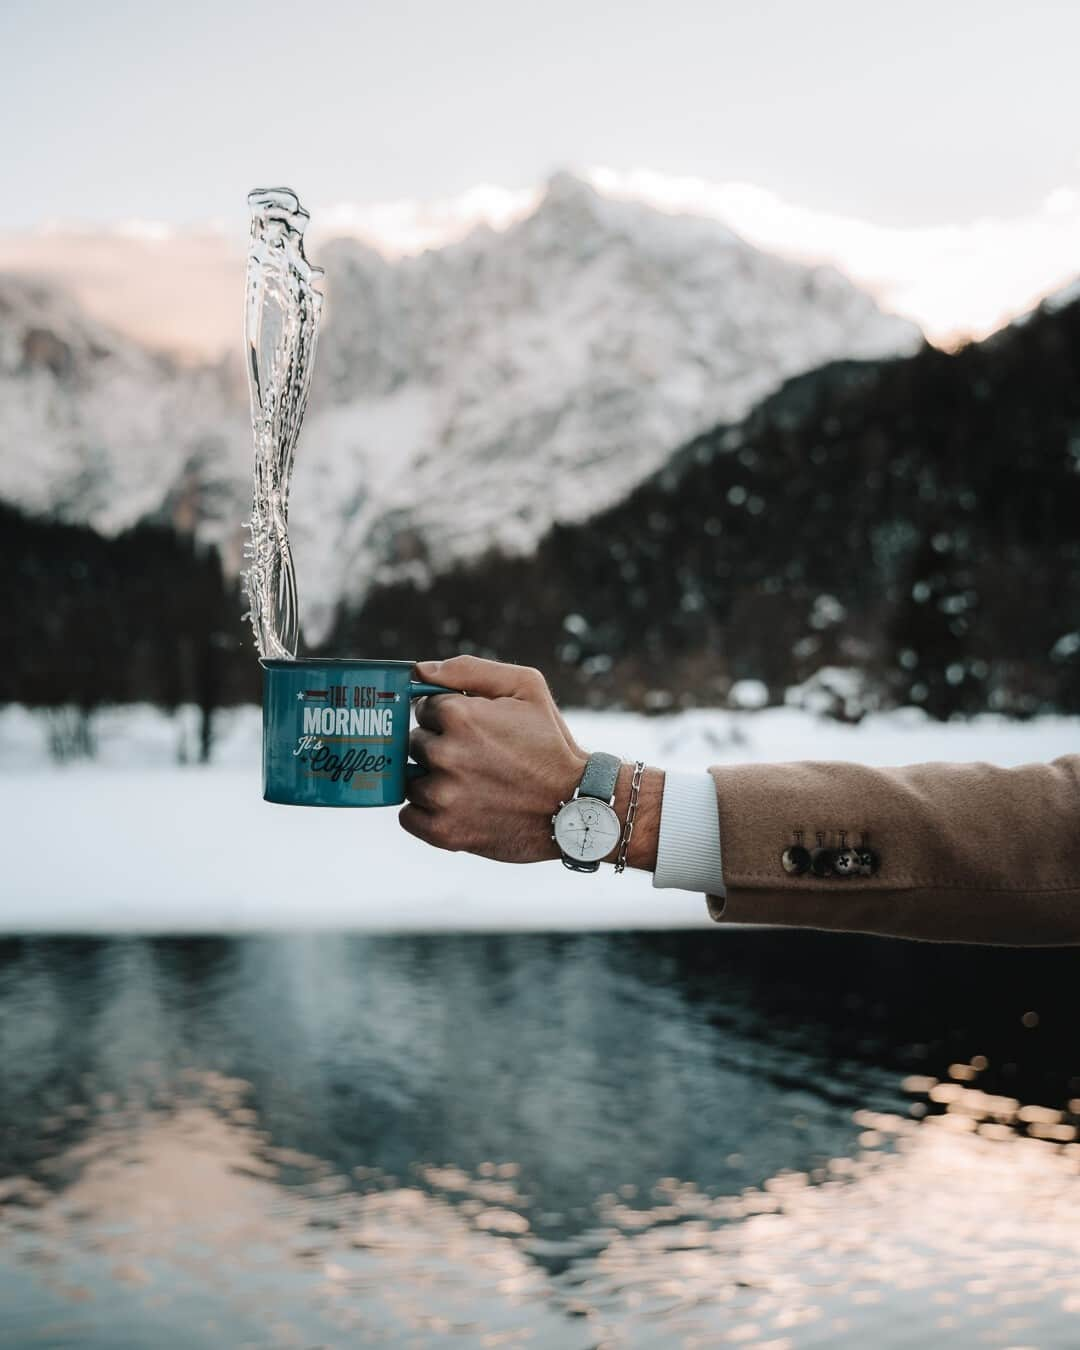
point(688, 847)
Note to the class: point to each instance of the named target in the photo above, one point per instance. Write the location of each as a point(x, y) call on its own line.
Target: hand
point(499, 761)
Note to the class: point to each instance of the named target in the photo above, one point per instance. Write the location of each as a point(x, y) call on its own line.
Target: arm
point(968, 852)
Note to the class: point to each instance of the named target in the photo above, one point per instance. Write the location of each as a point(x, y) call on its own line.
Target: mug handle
point(417, 689)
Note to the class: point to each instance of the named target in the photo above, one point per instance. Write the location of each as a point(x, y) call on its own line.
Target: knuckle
point(457, 669)
point(454, 711)
point(441, 832)
point(438, 794)
point(423, 745)
point(417, 791)
point(433, 751)
point(411, 820)
point(430, 826)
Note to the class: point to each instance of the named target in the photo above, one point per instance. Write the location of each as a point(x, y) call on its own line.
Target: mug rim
point(279, 663)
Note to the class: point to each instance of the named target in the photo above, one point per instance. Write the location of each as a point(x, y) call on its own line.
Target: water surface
point(741, 1138)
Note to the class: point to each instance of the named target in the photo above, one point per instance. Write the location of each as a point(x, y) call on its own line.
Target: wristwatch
point(586, 827)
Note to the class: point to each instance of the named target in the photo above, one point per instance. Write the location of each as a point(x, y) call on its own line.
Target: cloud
point(410, 226)
point(955, 280)
point(181, 288)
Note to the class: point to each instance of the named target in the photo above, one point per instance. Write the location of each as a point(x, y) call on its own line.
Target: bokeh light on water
point(752, 1139)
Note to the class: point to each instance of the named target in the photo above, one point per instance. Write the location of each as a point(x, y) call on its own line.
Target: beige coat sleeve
point(968, 852)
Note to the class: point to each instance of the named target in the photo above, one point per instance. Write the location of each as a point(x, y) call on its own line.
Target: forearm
point(962, 852)
point(967, 852)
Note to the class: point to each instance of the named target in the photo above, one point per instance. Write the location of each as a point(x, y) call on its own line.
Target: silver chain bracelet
point(631, 812)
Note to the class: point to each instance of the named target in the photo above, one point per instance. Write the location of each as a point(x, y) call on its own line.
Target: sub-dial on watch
point(586, 827)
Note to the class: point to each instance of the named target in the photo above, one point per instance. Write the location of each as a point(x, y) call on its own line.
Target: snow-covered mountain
point(468, 397)
point(95, 429)
point(464, 398)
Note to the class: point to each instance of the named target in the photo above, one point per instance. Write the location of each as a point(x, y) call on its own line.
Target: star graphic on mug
point(397, 698)
point(300, 696)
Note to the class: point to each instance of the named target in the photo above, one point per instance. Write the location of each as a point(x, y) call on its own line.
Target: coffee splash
point(281, 325)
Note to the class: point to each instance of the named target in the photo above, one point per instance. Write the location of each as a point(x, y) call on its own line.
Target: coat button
point(821, 861)
point(846, 862)
point(795, 860)
point(869, 861)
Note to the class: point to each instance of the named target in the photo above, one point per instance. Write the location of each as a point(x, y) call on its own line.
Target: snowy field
point(135, 841)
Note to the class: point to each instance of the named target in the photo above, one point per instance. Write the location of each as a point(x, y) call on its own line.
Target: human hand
point(499, 761)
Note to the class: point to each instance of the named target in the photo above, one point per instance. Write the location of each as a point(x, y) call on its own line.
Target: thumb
point(489, 679)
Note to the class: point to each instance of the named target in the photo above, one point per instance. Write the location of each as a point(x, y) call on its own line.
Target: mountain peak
point(570, 204)
point(565, 188)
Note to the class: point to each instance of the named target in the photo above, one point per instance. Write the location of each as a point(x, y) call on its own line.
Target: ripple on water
point(967, 1219)
point(537, 1141)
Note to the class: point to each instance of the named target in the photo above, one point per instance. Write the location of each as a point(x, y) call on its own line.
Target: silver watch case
point(603, 809)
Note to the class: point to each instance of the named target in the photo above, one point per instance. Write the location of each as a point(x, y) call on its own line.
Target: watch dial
point(587, 830)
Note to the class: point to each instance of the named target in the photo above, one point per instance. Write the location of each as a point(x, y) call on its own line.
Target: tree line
point(913, 521)
point(145, 616)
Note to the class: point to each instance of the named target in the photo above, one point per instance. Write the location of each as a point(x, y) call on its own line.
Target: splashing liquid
point(281, 324)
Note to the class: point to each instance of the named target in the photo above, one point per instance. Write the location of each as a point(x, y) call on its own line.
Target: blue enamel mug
point(336, 732)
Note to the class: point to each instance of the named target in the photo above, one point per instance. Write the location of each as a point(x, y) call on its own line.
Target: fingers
point(425, 817)
point(420, 823)
point(435, 789)
point(489, 679)
point(428, 748)
point(419, 792)
point(441, 712)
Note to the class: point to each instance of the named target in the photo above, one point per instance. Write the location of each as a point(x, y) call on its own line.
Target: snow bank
point(135, 841)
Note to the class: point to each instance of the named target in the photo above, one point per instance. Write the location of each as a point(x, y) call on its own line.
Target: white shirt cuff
point(688, 847)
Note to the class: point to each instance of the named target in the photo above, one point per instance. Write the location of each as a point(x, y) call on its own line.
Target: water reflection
point(752, 1139)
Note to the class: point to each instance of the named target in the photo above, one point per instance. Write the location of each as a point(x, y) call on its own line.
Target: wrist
point(567, 785)
point(643, 841)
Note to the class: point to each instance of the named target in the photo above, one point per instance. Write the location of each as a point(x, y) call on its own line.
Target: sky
point(891, 139)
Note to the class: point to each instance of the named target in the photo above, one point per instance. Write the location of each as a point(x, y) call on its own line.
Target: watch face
point(587, 829)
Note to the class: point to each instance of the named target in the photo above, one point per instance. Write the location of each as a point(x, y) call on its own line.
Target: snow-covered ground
point(135, 841)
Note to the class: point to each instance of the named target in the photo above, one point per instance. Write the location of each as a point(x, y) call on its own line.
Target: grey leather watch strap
point(600, 776)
